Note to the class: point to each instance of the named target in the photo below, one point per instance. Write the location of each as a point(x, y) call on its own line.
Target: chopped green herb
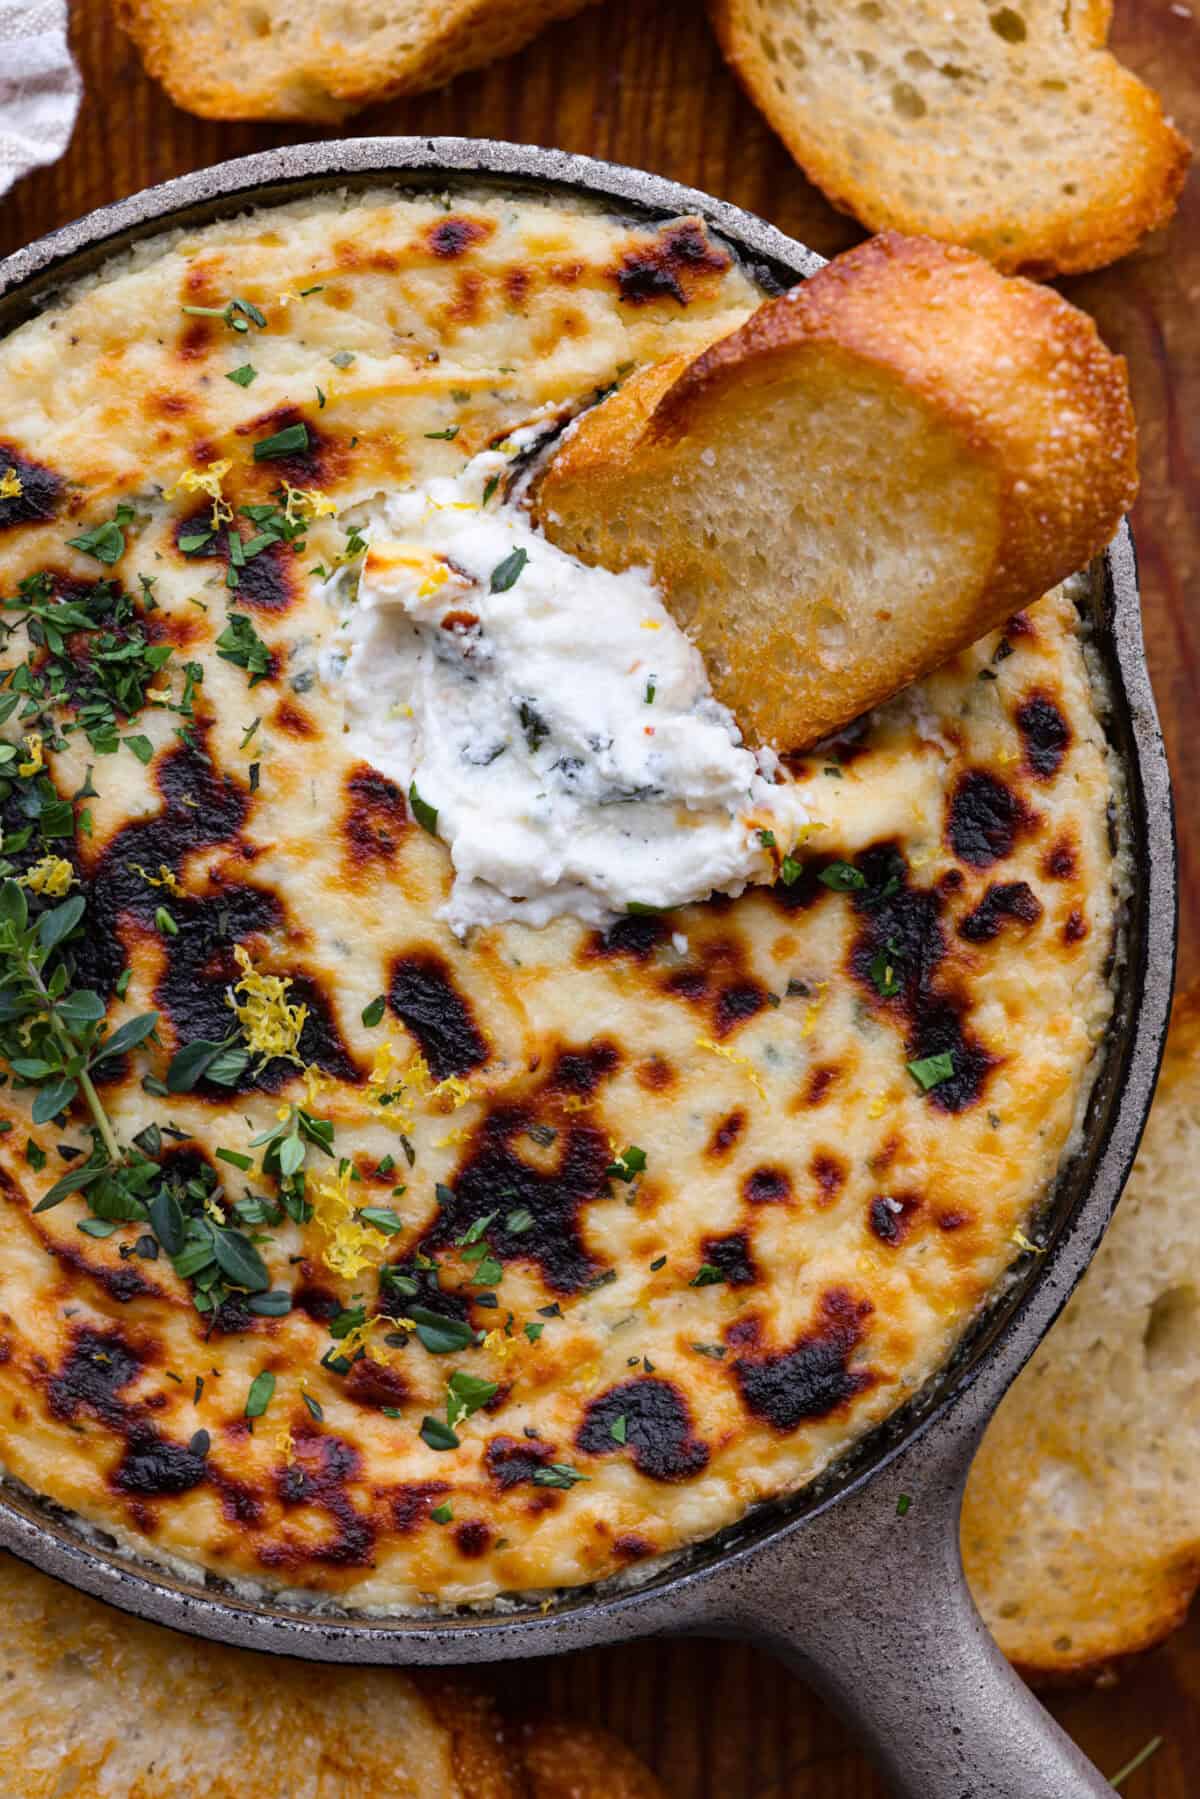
point(438, 1334)
point(619, 1429)
point(262, 1388)
point(707, 1275)
point(507, 573)
point(447, 436)
point(383, 1219)
point(902, 1505)
point(465, 1394)
point(558, 1474)
point(141, 746)
point(442, 1514)
point(767, 839)
point(425, 815)
point(373, 1013)
point(341, 359)
point(314, 1407)
point(534, 1331)
point(519, 1222)
point(243, 376)
point(843, 877)
point(630, 1162)
point(931, 1071)
point(790, 871)
point(241, 644)
point(105, 542)
point(883, 971)
point(282, 443)
point(437, 1435)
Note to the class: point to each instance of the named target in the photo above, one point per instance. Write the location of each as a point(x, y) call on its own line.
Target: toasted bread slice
point(99, 1703)
point(1081, 1530)
point(1008, 128)
point(869, 474)
point(321, 59)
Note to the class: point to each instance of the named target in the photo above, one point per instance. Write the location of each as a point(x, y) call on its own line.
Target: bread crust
point(1013, 229)
point(211, 65)
point(1013, 380)
point(1072, 1610)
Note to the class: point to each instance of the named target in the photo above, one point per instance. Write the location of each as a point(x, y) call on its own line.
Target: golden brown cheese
point(811, 1231)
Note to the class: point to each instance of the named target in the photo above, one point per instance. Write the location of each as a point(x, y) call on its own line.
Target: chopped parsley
point(630, 1163)
point(106, 542)
point(287, 442)
point(843, 877)
point(262, 1390)
point(446, 436)
point(707, 1275)
point(425, 814)
point(239, 315)
point(241, 644)
point(558, 1474)
point(930, 1071)
point(373, 1014)
point(242, 377)
point(883, 970)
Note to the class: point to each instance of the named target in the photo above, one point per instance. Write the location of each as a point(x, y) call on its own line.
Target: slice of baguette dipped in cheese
point(869, 474)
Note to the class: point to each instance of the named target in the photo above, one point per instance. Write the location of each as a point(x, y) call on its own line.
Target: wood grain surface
point(642, 83)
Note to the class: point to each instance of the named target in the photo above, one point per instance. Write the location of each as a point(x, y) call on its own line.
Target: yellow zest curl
point(350, 1245)
point(36, 760)
point(731, 1055)
point(306, 502)
point(51, 876)
point(270, 1025)
point(164, 877)
point(10, 485)
point(207, 480)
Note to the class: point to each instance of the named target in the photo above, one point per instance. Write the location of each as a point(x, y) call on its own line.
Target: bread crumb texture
point(1007, 128)
point(1081, 1531)
point(321, 59)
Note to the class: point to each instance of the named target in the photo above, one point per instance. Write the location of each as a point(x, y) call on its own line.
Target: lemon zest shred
point(214, 1210)
point(164, 878)
point(812, 1010)
point(51, 876)
point(1024, 1242)
point(208, 481)
point(35, 757)
point(878, 1106)
point(501, 1346)
point(731, 1055)
point(270, 1024)
point(306, 502)
point(11, 487)
point(350, 1245)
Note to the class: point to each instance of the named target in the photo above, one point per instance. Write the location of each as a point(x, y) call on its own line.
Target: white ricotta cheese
point(554, 718)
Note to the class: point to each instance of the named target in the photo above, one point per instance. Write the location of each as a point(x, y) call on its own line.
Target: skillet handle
point(869, 1603)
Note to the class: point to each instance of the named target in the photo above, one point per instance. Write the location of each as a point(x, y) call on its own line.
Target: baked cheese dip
point(471, 1126)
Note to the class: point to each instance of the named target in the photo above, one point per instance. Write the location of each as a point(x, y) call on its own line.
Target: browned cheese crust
point(811, 1230)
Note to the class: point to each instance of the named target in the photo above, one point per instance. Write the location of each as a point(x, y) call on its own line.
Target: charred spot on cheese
point(412, 1503)
point(155, 1467)
point(374, 1384)
point(813, 1378)
point(321, 459)
point(1003, 901)
point(376, 818)
point(97, 1365)
point(1059, 862)
point(984, 818)
point(767, 1186)
point(631, 1547)
point(513, 1461)
point(656, 1074)
point(636, 936)
point(953, 1220)
point(317, 1302)
point(901, 930)
point(119, 1280)
point(673, 264)
point(39, 494)
point(658, 1429)
point(422, 994)
point(472, 1537)
point(829, 1173)
point(454, 236)
point(725, 1134)
point(580, 1071)
point(732, 1258)
point(717, 983)
point(1045, 734)
point(555, 1197)
point(891, 1215)
point(195, 340)
point(1075, 929)
point(324, 1468)
point(818, 1083)
point(294, 720)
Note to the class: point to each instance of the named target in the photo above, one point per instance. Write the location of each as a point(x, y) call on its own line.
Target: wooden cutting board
point(643, 84)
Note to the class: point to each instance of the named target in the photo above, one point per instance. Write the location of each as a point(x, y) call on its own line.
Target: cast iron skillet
point(867, 1601)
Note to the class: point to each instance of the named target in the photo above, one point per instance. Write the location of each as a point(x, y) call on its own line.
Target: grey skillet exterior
point(870, 1606)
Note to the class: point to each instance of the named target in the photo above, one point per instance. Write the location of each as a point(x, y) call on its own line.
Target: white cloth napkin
point(39, 86)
